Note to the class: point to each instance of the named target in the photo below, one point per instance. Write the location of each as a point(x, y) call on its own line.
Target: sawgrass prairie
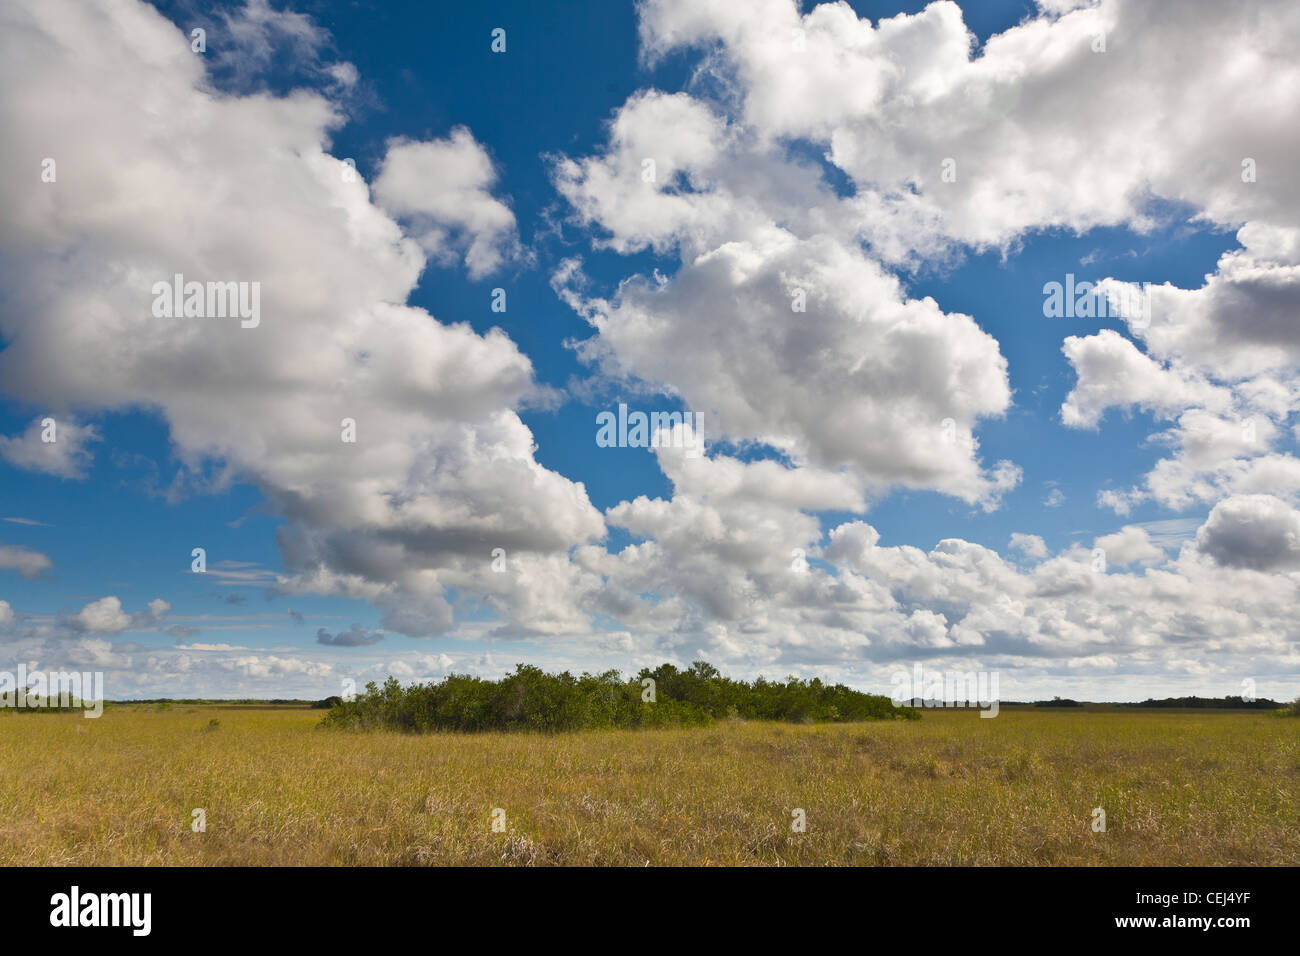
point(1022, 788)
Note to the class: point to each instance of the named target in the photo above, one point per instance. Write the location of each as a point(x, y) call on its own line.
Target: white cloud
point(273, 666)
point(1113, 372)
point(856, 376)
point(893, 101)
point(442, 469)
point(442, 188)
point(1030, 545)
point(355, 636)
point(53, 446)
point(26, 562)
point(104, 616)
point(250, 38)
point(1252, 531)
point(1128, 545)
point(948, 149)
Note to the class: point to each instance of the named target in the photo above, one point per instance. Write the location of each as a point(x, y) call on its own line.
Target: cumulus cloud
point(51, 446)
point(1113, 372)
point(274, 666)
point(894, 101)
point(732, 541)
point(248, 39)
point(442, 468)
point(442, 189)
point(948, 147)
point(26, 562)
point(1128, 545)
point(1220, 364)
point(355, 636)
point(856, 377)
point(1252, 531)
point(777, 326)
point(104, 616)
point(1030, 545)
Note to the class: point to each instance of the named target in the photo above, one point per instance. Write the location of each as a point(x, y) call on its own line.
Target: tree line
point(531, 699)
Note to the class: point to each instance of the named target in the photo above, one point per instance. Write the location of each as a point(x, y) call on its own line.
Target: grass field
point(1177, 788)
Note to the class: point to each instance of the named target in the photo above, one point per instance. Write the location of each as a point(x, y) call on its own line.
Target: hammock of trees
point(531, 699)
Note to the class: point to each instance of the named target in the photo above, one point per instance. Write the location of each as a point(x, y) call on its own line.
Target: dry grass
point(1177, 788)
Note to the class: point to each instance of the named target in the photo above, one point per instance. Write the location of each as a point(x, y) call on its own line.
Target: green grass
point(1177, 788)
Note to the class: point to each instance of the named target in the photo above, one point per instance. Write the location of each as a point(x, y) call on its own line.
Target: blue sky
point(156, 481)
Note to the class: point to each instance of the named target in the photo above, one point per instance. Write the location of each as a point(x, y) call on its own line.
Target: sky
point(824, 237)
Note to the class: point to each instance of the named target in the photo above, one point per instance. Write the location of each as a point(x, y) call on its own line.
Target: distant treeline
point(45, 707)
point(531, 699)
point(1172, 703)
point(217, 701)
point(1212, 703)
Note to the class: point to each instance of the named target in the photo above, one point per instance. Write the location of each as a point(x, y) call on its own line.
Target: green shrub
point(531, 699)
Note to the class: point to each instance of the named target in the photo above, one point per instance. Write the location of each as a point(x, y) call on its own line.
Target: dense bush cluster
point(1211, 703)
point(530, 699)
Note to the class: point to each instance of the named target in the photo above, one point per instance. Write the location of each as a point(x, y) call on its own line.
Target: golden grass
point(1177, 788)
